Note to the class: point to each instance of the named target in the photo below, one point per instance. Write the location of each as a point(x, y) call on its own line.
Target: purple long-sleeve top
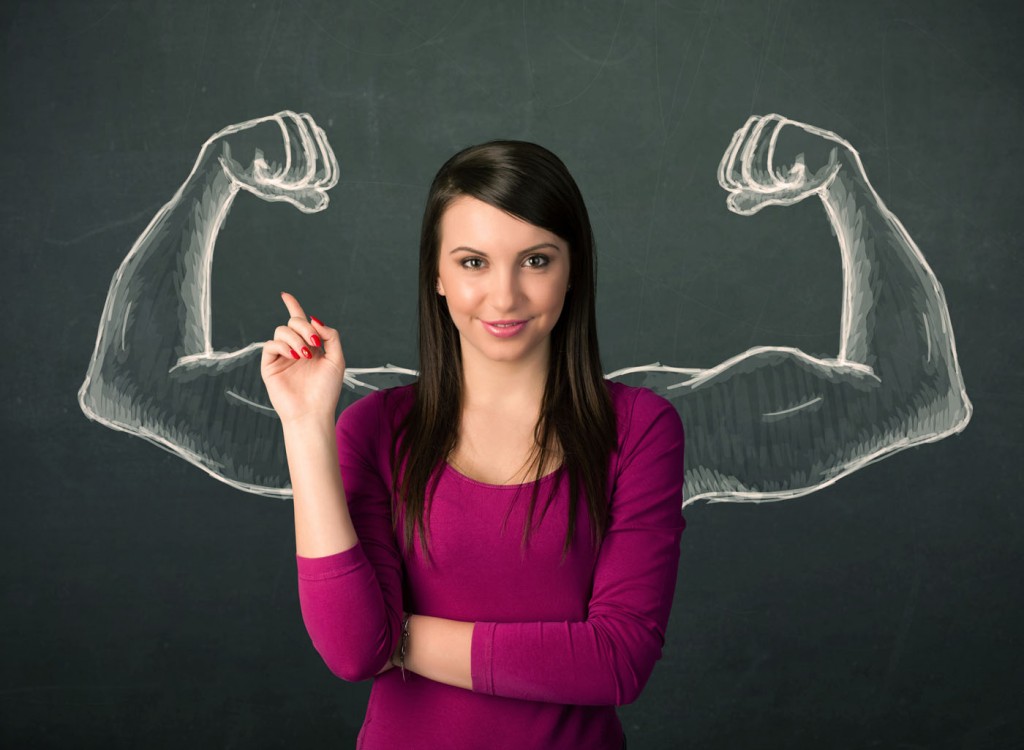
point(555, 645)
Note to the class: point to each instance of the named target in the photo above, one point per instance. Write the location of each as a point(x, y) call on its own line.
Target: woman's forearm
point(349, 564)
point(323, 525)
point(596, 662)
point(440, 650)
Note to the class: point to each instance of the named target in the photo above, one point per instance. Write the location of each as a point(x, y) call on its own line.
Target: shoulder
point(383, 407)
point(635, 404)
point(643, 417)
point(366, 426)
point(647, 466)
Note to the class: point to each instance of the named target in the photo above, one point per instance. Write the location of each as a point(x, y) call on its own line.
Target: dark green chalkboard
point(148, 604)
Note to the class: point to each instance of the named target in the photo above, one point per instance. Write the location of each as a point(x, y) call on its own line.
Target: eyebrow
point(521, 252)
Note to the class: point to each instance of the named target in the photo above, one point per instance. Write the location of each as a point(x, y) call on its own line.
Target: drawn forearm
point(775, 422)
point(792, 423)
point(156, 316)
point(158, 307)
point(894, 317)
point(154, 372)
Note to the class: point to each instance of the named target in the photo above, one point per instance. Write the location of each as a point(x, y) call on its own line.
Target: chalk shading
point(154, 372)
point(774, 422)
point(768, 424)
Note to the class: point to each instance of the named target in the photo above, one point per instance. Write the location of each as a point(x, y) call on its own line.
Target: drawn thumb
point(748, 203)
point(309, 200)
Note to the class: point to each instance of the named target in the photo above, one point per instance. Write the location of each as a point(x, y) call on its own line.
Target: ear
point(440, 287)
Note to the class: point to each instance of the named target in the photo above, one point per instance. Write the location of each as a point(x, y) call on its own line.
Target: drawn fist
point(775, 161)
point(283, 157)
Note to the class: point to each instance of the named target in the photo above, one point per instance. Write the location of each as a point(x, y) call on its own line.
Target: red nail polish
point(306, 353)
point(319, 323)
point(316, 340)
point(294, 355)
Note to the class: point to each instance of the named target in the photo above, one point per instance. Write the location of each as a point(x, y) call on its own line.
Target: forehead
point(472, 223)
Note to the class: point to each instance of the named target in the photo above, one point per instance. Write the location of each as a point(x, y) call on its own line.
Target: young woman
point(517, 638)
point(496, 544)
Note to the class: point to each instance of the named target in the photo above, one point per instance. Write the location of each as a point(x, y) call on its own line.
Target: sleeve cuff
point(331, 566)
point(480, 660)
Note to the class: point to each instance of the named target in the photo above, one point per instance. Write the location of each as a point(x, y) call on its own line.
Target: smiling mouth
point(504, 328)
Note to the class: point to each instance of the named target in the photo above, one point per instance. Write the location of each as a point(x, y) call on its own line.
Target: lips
point(503, 328)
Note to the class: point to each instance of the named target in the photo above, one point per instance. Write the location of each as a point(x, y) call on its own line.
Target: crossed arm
point(603, 654)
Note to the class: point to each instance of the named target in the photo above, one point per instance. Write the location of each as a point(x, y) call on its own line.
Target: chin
point(498, 351)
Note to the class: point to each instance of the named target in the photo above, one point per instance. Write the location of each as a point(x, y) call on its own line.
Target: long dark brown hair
point(576, 414)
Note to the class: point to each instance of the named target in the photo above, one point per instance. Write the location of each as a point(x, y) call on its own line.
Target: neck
point(518, 386)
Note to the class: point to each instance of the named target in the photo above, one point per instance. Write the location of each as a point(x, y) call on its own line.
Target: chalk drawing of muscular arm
point(154, 372)
point(768, 424)
point(775, 423)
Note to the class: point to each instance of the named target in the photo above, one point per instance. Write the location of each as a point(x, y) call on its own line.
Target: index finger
point(294, 308)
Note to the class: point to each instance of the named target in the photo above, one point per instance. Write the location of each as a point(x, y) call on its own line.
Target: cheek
point(462, 296)
point(557, 296)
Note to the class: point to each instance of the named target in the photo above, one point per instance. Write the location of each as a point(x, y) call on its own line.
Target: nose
point(505, 291)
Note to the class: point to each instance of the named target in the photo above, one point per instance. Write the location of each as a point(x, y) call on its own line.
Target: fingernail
point(306, 353)
point(319, 323)
point(296, 356)
point(316, 340)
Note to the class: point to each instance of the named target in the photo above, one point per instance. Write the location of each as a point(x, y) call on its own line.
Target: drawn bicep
point(216, 414)
point(774, 425)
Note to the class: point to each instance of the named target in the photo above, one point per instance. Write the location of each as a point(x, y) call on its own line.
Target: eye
point(543, 260)
point(471, 260)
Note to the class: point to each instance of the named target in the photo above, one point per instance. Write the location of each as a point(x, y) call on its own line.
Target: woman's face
point(504, 281)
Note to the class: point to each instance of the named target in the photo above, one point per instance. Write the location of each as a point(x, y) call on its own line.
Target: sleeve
point(608, 658)
point(351, 601)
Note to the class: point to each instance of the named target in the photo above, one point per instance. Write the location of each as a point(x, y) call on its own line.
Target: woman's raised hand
point(303, 366)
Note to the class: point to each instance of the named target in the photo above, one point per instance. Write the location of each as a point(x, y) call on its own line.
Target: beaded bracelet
point(405, 642)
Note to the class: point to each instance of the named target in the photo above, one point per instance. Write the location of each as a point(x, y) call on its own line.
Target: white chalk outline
point(750, 173)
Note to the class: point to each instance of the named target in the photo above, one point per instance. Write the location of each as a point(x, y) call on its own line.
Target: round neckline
point(451, 469)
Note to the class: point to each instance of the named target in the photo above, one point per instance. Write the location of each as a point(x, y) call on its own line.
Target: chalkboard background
point(148, 605)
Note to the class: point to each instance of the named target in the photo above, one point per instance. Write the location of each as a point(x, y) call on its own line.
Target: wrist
point(208, 171)
point(309, 424)
point(403, 645)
